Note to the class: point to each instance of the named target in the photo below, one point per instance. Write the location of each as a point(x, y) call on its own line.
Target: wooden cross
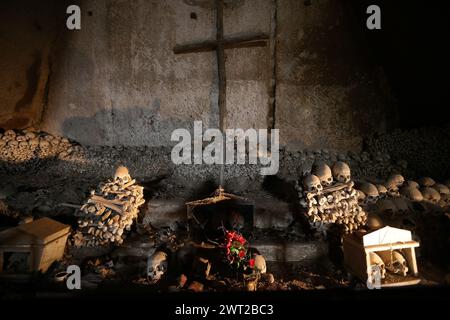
point(219, 45)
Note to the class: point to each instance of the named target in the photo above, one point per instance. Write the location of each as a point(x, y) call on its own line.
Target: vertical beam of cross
point(221, 65)
point(222, 81)
point(219, 45)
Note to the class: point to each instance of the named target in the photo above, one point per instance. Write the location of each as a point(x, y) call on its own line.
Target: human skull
point(386, 206)
point(23, 144)
point(445, 200)
point(412, 193)
point(382, 191)
point(122, 174)
point(55, 141)
point(30, 135)
point(411, 183)
point(323, 171)
point(47, 137)
point(426, 182)
point(341, 171)
point(370, 191)
point(10, 133)
point(441, 188)
point(21, 138)
point(34, 142)
point(13, 143)
point(311, 183)
point(236, 220)
point(376, 261)
point(403, 205)
point(394, 182)
point(260, 263)
point(361, 196)
point(156, 266)
point(430, 195)
point(394, 262)
point(374, 221)
point(44, 144)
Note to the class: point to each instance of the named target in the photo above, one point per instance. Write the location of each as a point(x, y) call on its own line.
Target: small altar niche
point(207, 217)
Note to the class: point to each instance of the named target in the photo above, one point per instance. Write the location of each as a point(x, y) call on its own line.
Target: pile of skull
point(364, 164)
point(422, 147)
point(396, 195)
point(375, 164)
point(17, 147)
point(109, 211)
point(327, 196)
point(393, 261)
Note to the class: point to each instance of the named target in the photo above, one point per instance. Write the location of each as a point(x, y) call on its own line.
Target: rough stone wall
point(28, 31)
point(117, 81)
point(126, 85)
point(327, 93)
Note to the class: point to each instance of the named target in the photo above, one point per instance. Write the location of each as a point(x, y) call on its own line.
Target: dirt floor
point(113, 268)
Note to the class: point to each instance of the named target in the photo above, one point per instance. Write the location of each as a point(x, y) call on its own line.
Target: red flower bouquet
point(237, 253)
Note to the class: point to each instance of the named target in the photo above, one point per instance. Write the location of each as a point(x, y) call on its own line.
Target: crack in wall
point(271, 116)
point(32, 75)
point(46, 97)
point(46, 94)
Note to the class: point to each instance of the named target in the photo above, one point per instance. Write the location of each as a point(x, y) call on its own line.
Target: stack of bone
point(26, 145)
point(327, 196)
point(109, 211)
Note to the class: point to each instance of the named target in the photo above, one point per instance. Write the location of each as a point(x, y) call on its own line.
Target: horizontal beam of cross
point(219, 45)
point(255, 40)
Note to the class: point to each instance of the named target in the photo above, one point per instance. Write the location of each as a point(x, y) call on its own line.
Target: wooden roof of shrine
point(219, 196)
